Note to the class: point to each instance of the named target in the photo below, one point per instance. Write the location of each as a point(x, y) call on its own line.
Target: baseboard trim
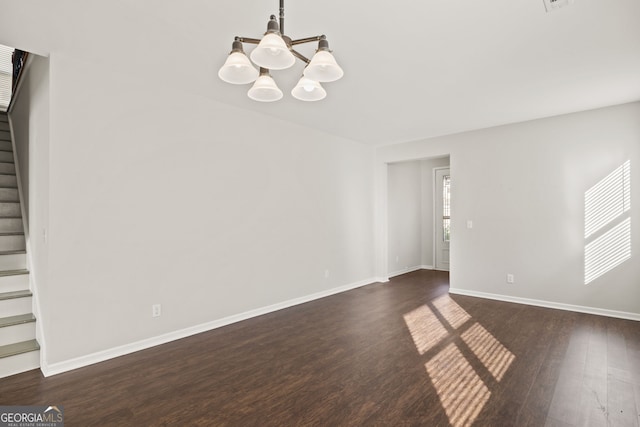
point(405, 271)
point(427, 267)
point(548, 304)
point(101, 356)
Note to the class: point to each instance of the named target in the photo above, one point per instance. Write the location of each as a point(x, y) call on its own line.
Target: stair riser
point(4, 126)
point(19, 363)
point(6, 146)
point(7, 168)
point(9, 225)
point(10, 209)
point(8, 181)
point(5, 135)
point(18, 282)
point(15, 307)
point(17, 333)
point(6, 156)
point(9, 195)
point(12, 243)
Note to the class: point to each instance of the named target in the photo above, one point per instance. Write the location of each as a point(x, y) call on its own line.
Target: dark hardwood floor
point(394, 354)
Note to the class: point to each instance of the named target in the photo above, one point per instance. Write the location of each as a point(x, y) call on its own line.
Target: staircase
point(19, 350)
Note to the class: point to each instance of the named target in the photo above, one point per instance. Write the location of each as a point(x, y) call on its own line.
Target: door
point(441, 217)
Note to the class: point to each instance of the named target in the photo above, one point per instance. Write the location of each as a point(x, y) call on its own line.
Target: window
point(446, 208)
point(6, 71)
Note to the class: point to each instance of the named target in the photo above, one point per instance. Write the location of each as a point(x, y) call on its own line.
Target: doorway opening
point(411, 240)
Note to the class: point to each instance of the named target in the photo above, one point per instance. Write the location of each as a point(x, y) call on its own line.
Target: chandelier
point(275, 51)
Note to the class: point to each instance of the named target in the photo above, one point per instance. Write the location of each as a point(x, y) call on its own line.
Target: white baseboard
point(405, 271)
point(548, 304)
point(101, 356)
point(427, 267)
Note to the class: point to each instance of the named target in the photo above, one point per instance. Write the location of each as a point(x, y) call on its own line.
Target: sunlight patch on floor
point(461, 391)
point(493, 355)
point(445, 329)
point(450, 310)
point(425, 328)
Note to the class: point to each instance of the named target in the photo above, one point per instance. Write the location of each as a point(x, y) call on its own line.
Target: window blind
point(6, 70)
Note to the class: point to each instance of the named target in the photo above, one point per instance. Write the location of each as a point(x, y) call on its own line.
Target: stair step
point(15, 294)
point(6, 156)
point(18, 348)
point(17, 320)
point(13, 252)
point(8, 181)
point(7, 168)
point(8, 225)
point(9, 195)
point(4, 126)
point(14, 280)
point(12, 242)
point(12, 261)
point(19, 363)
point(15, 303)
point(6, 146)
point(17, 329)
point(4, 273)
point(5, 135)
point(10, 210)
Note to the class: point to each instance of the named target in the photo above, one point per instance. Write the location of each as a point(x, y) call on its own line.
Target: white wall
point(159, 194)
point(405, 217)
point(206, 209)
point(30, 120)
point(523, 185)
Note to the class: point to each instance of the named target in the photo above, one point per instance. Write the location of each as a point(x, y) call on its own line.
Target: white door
point(441, 217)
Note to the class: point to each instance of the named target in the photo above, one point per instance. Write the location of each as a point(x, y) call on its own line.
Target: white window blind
point(6, 69)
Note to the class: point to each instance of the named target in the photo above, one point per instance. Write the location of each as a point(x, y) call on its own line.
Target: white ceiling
point(413, 69)
point(420, 69)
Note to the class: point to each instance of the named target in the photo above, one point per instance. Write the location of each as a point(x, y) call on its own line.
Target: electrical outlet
point(326, 274)
point(397, 259)
point(469, 223)
point(511, 278)
point(156, 310)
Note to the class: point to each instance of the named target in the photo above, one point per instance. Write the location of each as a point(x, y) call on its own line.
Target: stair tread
point(17, 320)
point(15, 294)
point(19, 348)
point(13, 252)
point(13, 272)
point(13, 233)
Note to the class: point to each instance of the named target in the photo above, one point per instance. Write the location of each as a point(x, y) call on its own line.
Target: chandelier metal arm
point(248, 40)
point(299, 56)
point(307, 40)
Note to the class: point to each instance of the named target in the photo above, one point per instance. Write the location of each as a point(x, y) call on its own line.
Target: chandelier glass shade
point(265, 89)
point(275, 51)
point(308, 90)
point(237, 69)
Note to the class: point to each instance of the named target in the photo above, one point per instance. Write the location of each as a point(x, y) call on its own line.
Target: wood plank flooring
point(404, 353)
